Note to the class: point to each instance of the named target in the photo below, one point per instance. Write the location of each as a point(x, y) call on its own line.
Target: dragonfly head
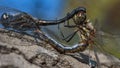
point(4, 19)
point(80, 16)
point(5, 16)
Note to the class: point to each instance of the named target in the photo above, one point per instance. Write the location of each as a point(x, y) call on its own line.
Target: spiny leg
point(92, 62)
point(97, 59)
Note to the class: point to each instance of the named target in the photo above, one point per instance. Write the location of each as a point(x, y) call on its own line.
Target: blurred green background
point(107, 12)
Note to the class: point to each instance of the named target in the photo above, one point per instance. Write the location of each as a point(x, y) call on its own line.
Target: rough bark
point(21, 51)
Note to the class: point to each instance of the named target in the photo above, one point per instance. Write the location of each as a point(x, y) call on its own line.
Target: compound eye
point(5, 16)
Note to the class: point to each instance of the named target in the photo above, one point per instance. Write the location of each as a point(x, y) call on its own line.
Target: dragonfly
point(23, 22)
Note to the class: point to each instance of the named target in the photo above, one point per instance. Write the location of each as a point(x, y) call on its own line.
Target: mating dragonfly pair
point(23, 22)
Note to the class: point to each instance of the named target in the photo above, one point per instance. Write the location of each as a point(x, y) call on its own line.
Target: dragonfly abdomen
point(66, 49)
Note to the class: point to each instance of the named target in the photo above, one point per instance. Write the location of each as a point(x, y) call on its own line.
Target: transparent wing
point(56, 30)
point(106, 42)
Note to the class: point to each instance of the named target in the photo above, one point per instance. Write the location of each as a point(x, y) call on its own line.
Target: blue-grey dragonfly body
point(21, 21)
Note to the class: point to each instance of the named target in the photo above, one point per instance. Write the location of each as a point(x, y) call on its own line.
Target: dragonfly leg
point(68, 24)
point(69, 37)
point(92, 63)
